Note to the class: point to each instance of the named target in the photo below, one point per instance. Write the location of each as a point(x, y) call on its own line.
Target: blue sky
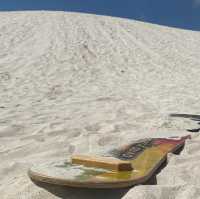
point(177, 13)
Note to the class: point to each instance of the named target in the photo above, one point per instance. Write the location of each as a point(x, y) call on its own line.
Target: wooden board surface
point(145, 155)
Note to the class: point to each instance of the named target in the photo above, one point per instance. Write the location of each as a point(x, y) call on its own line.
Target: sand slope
point(74, 83)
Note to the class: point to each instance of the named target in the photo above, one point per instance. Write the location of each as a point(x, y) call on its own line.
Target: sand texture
point(76, 83)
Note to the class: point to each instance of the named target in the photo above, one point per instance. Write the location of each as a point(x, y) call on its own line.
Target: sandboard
point(145, 157)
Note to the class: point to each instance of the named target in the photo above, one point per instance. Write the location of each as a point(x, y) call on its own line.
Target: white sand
point(84, 83)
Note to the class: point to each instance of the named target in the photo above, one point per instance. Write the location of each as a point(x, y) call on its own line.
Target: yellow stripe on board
point(142, 165)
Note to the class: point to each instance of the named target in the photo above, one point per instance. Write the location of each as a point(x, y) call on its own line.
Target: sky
point(176, 13)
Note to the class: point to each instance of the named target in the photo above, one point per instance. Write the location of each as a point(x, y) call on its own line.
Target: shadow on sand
point(195, 118)
point(77, 193)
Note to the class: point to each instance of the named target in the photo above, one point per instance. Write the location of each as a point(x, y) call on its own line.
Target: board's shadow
point(77, 193)
point(193, 117)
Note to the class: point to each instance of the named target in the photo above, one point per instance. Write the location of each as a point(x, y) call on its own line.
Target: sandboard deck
point(145, 155)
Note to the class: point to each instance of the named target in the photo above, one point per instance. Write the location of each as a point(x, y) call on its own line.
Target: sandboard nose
point(102, 162)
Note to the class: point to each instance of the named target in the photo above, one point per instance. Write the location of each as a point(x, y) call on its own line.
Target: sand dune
point(74, 83)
